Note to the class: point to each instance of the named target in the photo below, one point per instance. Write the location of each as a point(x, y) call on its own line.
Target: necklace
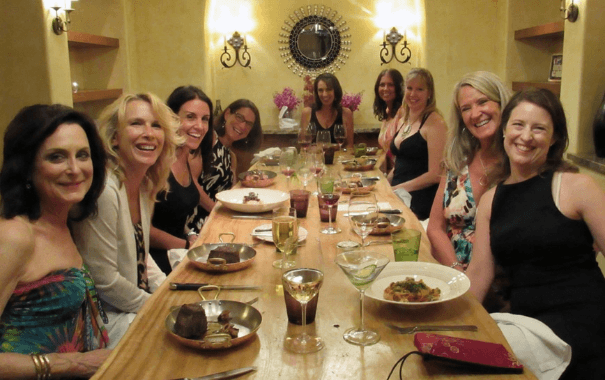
point(407, 129)
point(483, 179)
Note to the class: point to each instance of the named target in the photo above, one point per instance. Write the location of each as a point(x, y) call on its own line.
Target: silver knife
point(258, 217)
point(222, 375)
point(194, 286)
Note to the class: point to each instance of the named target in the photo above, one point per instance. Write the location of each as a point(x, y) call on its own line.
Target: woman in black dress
point(168, 231)
point(540, 224)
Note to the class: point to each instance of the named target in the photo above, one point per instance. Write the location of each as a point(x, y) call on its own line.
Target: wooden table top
point(147, 351)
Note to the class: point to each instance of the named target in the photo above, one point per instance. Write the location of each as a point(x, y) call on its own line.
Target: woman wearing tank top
point(540, 224)
point(326, 112)
point(418, 143)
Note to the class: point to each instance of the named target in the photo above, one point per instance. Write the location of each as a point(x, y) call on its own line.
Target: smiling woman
point(140, 135)
point(53, 172)
point(237, 127)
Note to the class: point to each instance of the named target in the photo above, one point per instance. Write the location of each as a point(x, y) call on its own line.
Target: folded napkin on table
point(286, 123)
point(265, 153)
point(536, 346)
point(175, 256)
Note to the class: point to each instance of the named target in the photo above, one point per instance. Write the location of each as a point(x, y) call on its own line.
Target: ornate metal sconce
point(393, 39)
point(59, 26)
point(230, 58)
point(571, 13)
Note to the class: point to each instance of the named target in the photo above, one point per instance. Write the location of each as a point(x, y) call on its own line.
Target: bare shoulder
point(581, 188)
point(306, 111)
point(577, 180)
point(18, 234)
point(485, 204)
point(435, 121)
point(346, 112)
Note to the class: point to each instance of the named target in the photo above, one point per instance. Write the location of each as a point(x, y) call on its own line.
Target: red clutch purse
point(467, 351)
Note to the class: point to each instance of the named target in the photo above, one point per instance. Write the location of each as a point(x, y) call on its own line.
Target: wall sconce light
point(236, 41)
point(571, 13)
point(60, 26)
point(393, 39)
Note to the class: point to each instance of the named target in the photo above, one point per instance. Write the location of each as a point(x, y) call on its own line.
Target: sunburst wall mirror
point(314, 41)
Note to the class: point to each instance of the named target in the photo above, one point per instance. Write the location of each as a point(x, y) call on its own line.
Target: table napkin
point(265, 153)
point(175, 256)
point(535, 345)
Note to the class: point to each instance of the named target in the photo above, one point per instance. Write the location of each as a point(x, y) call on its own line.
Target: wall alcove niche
point(314, 41)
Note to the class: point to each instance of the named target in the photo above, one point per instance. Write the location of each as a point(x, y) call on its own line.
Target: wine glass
point(287, 161)
point(329, 189)
point(363, 214)
point(323, 139)
point(311, 130)
point(303, 284)
point(285, 234)
point(340, 135)
point(306, 171)
point(361, 267)
point(304, 140)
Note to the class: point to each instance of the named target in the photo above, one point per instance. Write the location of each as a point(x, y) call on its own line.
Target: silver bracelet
point(456, 264)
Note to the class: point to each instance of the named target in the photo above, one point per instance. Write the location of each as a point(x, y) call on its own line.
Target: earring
point(28, 185)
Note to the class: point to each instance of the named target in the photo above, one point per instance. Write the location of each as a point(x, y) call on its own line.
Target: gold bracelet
point(46, 362)
point(37, 365)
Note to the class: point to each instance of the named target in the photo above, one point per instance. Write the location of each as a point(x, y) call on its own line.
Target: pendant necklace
point(483, 179)
point(407, 129)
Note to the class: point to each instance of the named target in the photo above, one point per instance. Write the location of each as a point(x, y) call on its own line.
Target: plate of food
point(371, 150)
point(252, 200)
point(264, 232)
point(360, 164)
point(387, 223)
point(412, 285)
point(213, 324)
point(257, 178)
point(358, 185)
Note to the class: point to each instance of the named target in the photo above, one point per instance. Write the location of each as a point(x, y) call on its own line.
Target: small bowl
point(360, 165)
point(252, 178)
point(395, 222)
point(371, 151)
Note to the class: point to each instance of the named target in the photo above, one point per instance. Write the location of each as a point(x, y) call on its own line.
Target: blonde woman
point(418, 143)
point(139, 133)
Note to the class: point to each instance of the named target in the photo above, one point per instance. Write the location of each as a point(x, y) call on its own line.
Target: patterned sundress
point(60, 312)
point(459, 209)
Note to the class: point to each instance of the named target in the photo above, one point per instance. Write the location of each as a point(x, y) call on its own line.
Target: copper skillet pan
point(244, 317)
point(199, 256)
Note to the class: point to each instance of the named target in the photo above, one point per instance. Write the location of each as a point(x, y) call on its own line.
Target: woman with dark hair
point(418, 143)
point(172, 208)
point(388, 96)
point(326, 111)
point(52, 174)
point(139, 133)
point(540, 224)
point(477, 103)
point(238, 127)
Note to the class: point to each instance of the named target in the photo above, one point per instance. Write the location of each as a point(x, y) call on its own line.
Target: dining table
point(149, 351)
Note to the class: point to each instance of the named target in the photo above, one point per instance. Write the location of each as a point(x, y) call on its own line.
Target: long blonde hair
point(113, 118)
point(431, 103)
point(461, 145)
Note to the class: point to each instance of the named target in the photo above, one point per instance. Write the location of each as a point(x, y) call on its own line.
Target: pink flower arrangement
point(286, 98)
point(352, 101)
point(308, 98)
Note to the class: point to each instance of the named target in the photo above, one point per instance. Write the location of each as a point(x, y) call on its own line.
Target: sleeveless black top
point(554, 276)
point(411, 161)
point(338, 120)
point(170, 215)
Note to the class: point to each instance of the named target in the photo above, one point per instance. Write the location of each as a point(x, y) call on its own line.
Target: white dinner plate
point(451, 282)
point(268, 235)
point(270, 199)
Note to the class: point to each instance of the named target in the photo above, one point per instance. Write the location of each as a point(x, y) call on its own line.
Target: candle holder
point(390, 50)
point(230, 58)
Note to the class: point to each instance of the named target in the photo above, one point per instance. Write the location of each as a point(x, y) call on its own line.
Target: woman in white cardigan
point(139, 132)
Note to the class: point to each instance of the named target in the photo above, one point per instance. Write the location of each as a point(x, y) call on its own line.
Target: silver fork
point(414, 329)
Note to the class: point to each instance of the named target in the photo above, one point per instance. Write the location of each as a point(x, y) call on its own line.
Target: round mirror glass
point(315, 41)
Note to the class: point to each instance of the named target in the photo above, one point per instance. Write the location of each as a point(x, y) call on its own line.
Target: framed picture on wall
point(556, 67)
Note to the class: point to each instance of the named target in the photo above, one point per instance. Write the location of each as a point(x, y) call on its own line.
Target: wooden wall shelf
point(555, 87)
point(551, 30)
point(83, 96)
point(85, 40)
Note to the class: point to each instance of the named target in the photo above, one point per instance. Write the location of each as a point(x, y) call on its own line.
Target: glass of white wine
point(285, 234)
point(287, 162)
point(305, 169)
point(303, 284)
point(361, 267)
point(340, 135)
